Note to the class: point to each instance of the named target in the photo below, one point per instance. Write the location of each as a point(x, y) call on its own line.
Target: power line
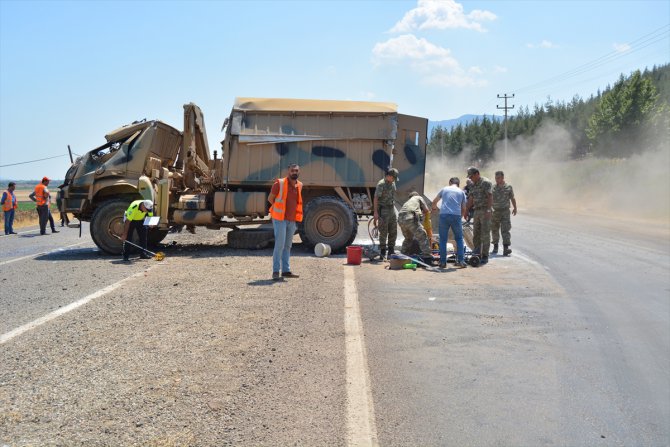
point(33, 161)
point(638, 44)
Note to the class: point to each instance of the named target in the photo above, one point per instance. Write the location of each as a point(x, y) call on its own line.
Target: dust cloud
point(544, 176)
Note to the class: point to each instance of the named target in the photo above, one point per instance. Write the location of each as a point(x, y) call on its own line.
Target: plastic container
point(354, 254)
point(322, 250)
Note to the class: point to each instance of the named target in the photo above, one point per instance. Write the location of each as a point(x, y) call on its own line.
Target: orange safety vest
point(278, 209)
point(10, 201)
point(41, 194)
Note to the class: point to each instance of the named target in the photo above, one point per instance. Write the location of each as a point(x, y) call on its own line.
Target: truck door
point(410, 154)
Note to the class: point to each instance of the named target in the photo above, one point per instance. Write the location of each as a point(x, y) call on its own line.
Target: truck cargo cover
point(312, 105)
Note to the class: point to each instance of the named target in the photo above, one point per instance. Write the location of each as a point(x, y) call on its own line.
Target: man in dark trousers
point(134, 221)
point(42, 197)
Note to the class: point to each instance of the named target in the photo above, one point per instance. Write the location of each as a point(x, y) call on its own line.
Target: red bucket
point(354, 254)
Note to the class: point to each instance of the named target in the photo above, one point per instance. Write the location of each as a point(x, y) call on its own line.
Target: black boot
point(495, 248)
point(382, 253)
point(506, 250)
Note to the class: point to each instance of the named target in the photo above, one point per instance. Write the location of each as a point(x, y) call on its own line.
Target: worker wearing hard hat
point(134, 221)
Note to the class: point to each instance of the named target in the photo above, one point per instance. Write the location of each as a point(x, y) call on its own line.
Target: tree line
point(630, 117)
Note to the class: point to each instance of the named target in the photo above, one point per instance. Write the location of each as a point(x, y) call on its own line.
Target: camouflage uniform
point(388, 222)
point(482, 222)
point(501, 222)
point(410, 219)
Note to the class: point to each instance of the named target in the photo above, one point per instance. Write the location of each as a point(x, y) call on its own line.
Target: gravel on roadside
point(203, 349)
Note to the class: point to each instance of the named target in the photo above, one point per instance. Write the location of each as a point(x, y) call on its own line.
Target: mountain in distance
point(464, 119)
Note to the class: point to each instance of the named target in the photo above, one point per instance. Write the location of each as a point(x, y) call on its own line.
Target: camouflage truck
point(342, 147)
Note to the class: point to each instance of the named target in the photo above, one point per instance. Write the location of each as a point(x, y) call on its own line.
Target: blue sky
point(72, 71)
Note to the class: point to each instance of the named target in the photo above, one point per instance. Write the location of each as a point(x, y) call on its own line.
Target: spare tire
point(251, 239)
point(328, 220)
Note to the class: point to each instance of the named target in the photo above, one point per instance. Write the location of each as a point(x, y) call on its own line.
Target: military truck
point(342, 147)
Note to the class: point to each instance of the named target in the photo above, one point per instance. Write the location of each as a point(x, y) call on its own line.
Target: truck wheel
point(107, 222)
point(156, 236)
point(251, 239)
point(328, 220)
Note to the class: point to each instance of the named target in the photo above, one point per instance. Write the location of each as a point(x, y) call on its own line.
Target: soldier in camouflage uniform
point(501, 222)
point(384, 209)
point(481, 199)
point(410, 219)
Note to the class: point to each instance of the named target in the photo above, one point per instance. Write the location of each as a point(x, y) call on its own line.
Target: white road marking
point(63, 310)
point(40, 254)
point(361, 427)
point(21, 232)
point(525, 258)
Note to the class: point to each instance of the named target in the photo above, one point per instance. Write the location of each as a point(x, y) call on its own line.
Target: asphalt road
point(43, 273)
point(567, 342)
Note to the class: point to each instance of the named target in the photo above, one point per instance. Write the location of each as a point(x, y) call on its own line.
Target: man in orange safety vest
point(286, 210)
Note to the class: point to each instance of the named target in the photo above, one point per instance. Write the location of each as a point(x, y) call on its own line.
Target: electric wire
point(636, 45)
point(33, 161)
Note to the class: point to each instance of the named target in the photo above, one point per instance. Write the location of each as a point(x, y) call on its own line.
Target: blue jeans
point(453, 221)
point(9, 221)
point(284, 231)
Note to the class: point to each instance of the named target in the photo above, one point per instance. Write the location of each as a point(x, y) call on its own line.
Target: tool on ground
point(416, 261)
point(156, 256)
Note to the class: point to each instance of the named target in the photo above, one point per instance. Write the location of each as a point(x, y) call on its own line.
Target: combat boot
point(507, 251)
point(495, 248)
point(484, 260)
point(382, 254)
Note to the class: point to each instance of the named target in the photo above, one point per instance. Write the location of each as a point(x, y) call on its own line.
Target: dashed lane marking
point(4, 338)
point(361, 427)
point(41, 253)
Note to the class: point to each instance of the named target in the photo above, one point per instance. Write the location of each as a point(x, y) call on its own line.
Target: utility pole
point(505, 97)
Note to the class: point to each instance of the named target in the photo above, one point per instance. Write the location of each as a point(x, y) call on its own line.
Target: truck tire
point(250, 239)
point(106, 222)
point(328, 220)
point(156, 236)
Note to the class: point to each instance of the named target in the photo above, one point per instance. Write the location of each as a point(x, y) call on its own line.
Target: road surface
point(574, 349)
point(566, 342)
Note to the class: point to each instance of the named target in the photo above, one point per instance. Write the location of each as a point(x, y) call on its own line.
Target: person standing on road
point(41, 197)
point(64, 220)
point(51, 217)
point(9, 206)
point(451, 210)
point(481, 199)
point(501, 221)
point(286, 210)
point(410, 219)
point(384, 212)
point(133, 221)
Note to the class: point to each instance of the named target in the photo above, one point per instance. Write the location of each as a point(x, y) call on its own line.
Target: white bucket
point(322, 250)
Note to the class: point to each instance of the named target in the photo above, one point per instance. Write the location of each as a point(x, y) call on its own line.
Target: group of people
point(490, 205)
point(42, 197)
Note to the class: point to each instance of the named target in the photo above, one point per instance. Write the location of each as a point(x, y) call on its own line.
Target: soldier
point(410, 219)
point(481, 199)
point(501, 222)
point(384, 210)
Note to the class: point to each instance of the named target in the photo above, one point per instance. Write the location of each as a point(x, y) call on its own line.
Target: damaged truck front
point(342, 147)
